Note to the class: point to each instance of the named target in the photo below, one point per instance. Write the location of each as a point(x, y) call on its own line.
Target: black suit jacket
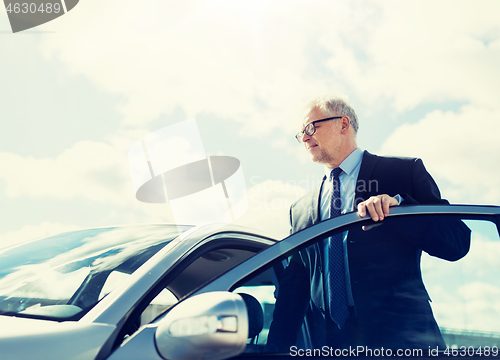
point(391, 302)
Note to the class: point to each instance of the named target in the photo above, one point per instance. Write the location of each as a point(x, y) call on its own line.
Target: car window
point(158, 305)
point(413, 286)
point(62, 276)
point(466, 294)
point(206, 267)
point(262, 288)
point(198, 269)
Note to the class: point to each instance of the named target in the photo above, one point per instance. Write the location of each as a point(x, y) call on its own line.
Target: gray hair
point(335, 105)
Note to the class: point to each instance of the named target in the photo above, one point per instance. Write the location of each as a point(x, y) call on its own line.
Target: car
point(163, 291)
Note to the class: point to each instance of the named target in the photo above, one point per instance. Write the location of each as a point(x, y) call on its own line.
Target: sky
point(77, 92)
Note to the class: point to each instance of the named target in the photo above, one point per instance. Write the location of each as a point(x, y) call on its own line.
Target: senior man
point(355, 294)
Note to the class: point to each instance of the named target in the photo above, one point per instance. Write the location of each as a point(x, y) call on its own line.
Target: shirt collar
point(349, 163)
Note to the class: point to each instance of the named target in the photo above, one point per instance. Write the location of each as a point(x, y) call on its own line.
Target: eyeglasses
point(310, 128)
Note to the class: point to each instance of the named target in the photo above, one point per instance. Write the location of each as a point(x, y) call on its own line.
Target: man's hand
point(377, 206)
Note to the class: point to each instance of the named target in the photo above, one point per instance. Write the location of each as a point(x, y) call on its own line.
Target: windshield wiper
point(16, 314)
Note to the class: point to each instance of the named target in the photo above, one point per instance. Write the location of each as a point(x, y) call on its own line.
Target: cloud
point(459, 149)
point(201, 56)
point(89, 170)
point(257, 63)
point(99, 172)
point(473, 307)
point(269, 204)
point(415, 52)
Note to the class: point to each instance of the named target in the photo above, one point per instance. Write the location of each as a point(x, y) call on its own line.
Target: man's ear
point(346, 124)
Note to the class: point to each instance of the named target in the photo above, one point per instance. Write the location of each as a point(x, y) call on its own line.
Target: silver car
point(182, 292)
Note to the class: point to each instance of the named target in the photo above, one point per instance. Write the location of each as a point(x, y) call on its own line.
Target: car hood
point(23, 338)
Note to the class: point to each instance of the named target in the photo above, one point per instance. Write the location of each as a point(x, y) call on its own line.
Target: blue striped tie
point(337, 298)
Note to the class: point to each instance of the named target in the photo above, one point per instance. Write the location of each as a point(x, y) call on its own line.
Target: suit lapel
point(365, 172)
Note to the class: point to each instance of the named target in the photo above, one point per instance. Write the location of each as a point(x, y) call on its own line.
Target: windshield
point(63, 276)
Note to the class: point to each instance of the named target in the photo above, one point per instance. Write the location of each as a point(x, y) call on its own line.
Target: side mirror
point(207, 326)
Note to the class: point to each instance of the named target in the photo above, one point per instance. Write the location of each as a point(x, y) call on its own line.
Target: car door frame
point(327, 227)
point(234, 277)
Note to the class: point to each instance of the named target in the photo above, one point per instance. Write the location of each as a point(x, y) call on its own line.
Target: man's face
point(324, 145)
